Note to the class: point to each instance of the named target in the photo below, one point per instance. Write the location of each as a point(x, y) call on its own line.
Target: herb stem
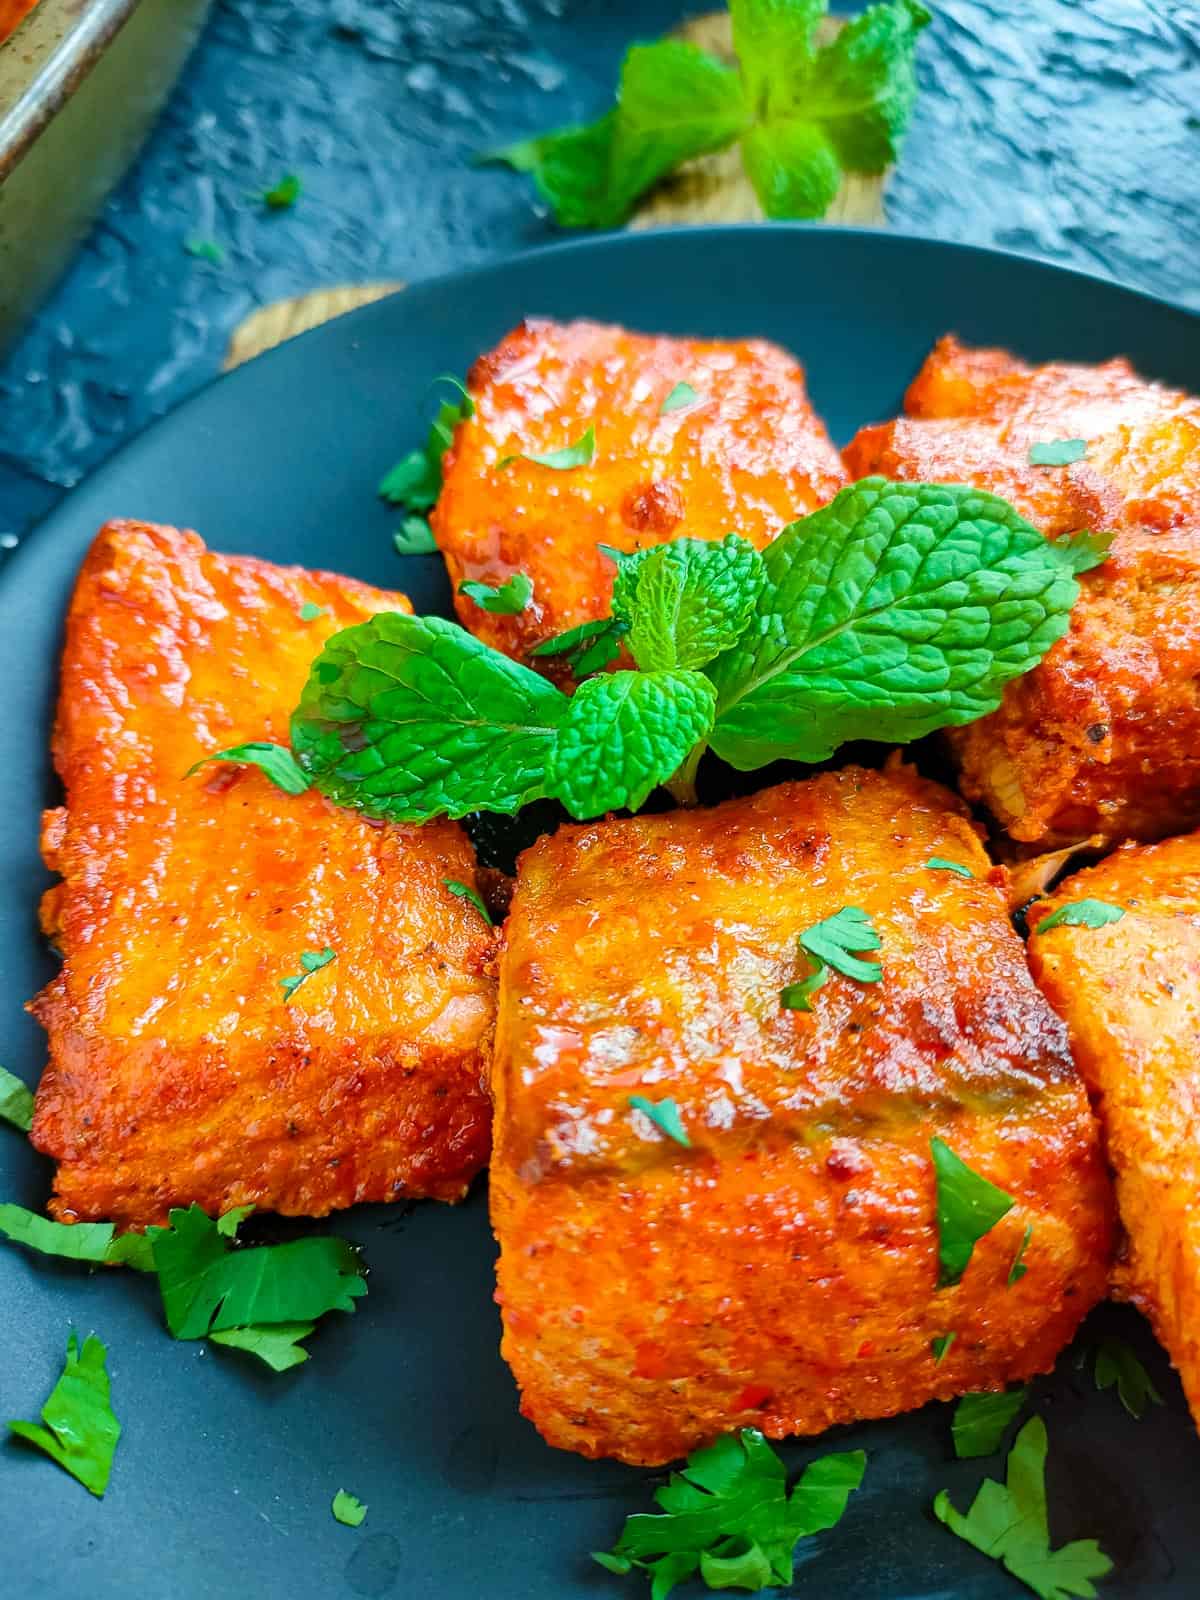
point(682, 787)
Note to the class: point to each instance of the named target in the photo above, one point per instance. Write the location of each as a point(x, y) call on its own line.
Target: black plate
point(223, 1479)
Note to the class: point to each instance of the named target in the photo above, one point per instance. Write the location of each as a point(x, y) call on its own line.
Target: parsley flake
point(681, 395)
point(505, 600)
point(1118, 1366)
point(968, 1206)
point(1081, 914)
point(16, 1101)
point(941, 1347)
point(728, 1516)
point(1057, 452)
point(81, 1430)
point(273, 760)
point(664, 1114)
point(1009, 1523)
point(348, 1510)
point(205, 250)
point(981, 1419)
point(465, 892)
point(579, 454)
point(311, 961)
point(284, 194)
point(940, 864)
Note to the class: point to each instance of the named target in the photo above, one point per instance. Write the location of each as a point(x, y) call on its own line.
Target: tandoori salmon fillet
point(744, 454)
point(1129, 992)
point(1103, 738)
point(781, 1271)
point(180, 1068)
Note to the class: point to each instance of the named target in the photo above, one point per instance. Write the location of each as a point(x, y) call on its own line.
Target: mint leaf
point(411, 717)
point(278, 1344)
point(968, 1206)
point(798, 996)
point(209, 1287)
point(774, 43)
point(273, 760)
point(674, 102)
point(310, 961)
point(506, 600)
point(728, 1512)
point(834, 939)
point(1081, 914)
point(1117, 1365)
point(625, 733)
point(892, 611)
point(664, 1114)
point(205, 250)
point(1009, 1523)
point(579, 454)
point(980, 1420)
point(348, 1510)
point(940, 1346)
point(81, 1430)
point(686, 601)
point(1084, 549)
point(793, 167)
point(75, 1241)
point(16, 1101)
point(590, 647)
point(465, 892)
point(284, 194)
point(414, 537)
point(1057, 452)
point(1018, 1269)
point(680, 396)
point(940, 864)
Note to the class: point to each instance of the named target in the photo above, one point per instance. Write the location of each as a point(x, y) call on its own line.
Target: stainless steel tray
point(80, 83)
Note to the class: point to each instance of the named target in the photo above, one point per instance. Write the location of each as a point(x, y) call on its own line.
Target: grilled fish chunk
point(781, 1272)
point(180, 1070)
point(1103, 738)
point(1129, 993)
point(748, 455)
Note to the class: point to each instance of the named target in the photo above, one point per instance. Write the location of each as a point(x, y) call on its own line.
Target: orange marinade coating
point(177, 1071)
point(782, 1272)
point(1103, 738)
point(1130, 995)
point(748, 456)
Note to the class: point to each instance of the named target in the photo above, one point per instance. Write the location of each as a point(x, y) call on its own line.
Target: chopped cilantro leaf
point(285, 193)
point(75, 1241)
point(273, 760)
point(311, 961)
point(1117, 1365)
point(16, 1101)
point(278, 1344)
point(81, 1430)
point(590, 647)
point(505, 600)
point(1018, 1269)
point(941, 1347)
point(1081, 914)
point(798, 996)
point(416, 480)
point(205, 250)
point(1009, 1523)
point(1085, 549)
point(727, 1515)
point(310, 611)
point(465, 892)
point(1057, 452)
point(664, 1114)
point(968, 1206)
point(681, 395)
point(980, 1420)
point(940, 864)
point(579, 454)
point(833, 940)
point(348, 1510)
point(414, 536)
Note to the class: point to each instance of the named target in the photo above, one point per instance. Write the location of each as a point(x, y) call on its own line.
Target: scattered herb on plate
point(205, 250)
point(416, 480)
point(1117, 1366)
point(968, 1206)
point(980, 1421)
point(16, 1101)
point(283, 195)
point(664, 1114)
point(414, 536)
point(79, 1429)
point(348, 1510)
point(728, 1516)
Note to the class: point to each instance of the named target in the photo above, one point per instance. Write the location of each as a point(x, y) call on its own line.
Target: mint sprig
point(895, 610)
point(804, 114)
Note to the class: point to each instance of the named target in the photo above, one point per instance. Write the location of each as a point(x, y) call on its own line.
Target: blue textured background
point(1067, 129)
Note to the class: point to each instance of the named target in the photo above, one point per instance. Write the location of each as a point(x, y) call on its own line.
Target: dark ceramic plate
point(224, 1476)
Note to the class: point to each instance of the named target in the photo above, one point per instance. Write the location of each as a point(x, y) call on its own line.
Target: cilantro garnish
point(980, 1420)
point(75, 1241)
point(465, 892)
point(81, 1430)
point(205, 250)
point(274, 760)
point(1057, 452)
point(1081, 914)
point(664, 1114)
point(579, 454)
point(590, 647)
point(310, 611)
point(1085, 549)
point(416, 480)
point(893, 611)
point(728, 1516)
point(681, 395)
point(1018, 1269)
point(277, 1344)
point(803, 113)
point(506, 600)
point(284, 194)
point(1118, 1366)
point(940, 864)
point(414, 536)
point(16, 1101)
point(1008, 1522)
point(940, 1346)
point(311, 961)
point(968, 1206)
point(798, 996)
point(835, 938)
point(348, 1510)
